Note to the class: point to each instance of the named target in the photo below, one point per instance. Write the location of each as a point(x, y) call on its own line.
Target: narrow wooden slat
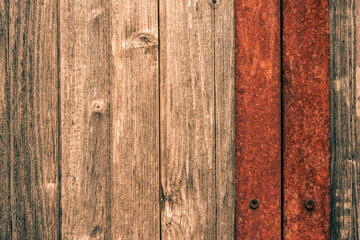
point(225, 118)
point(33, 91)
point(306, 119)
point(187, 113)
point(5, 219)
point(135, 126)
point(345, 112)
point(85, 119)
point(258, 119)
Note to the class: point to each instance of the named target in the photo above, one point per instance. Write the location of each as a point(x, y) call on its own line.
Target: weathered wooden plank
point(306, 119)
point(258, 119)
point(225, 118)
point(344, 45)
point(187, 113)
point(5, 219)
point(33, 90)
point(85, 118)
point(135, 128)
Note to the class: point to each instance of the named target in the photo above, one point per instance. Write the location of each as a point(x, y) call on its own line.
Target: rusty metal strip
point(306, 119)
point(258, 119)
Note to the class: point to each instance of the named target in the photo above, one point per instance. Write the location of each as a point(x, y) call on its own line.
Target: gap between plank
point(159, 122)
point(281, 120)
point(59, 149)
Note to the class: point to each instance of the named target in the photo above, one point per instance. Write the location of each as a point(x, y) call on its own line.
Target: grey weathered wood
point(345, 112)
point(197, 119)
point(5, 229)
point(225, 118)
point(85, 118)
point(31, 93)
point(135, 115)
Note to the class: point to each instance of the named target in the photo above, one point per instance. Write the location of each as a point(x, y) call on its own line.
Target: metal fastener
point(309, 204)
point(254, 204)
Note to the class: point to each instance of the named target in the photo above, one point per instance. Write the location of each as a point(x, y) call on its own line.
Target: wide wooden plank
point(85, 118)
point(5, 219)
point(306, 138)
point(135, 127)
point(258, 119)
point(225, 118)
point(33, 90)
point(345, 112)
point(187, 113)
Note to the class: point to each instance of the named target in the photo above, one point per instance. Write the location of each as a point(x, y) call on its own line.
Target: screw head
point(309, 204)
point(254, 204)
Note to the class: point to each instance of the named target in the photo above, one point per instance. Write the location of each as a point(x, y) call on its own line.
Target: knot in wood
point(214, 3)
point(145, 40)
point(97, 106)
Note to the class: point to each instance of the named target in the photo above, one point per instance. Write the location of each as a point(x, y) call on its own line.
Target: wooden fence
point(189, 119)
point(104, 132)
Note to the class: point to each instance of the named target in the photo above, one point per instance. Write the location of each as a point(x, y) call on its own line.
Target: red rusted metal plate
point(258, 119)
point(306, 118)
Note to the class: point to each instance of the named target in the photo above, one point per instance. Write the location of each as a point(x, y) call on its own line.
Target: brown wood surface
point(31, 98)
point(187, 130)
point(258, 119)
point(80, 122)
point(306, 118)
point(135, 120)
point(345, 112)
point(196, 98)
point(225, 117)
point(5, 95)
point(85, 119)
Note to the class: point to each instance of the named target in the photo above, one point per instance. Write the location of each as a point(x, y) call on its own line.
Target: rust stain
point(306, 118)
point(258, 119)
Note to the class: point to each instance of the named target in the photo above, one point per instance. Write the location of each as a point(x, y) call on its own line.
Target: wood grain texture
point(187, 110)
point(258, 119)
point(225, 117)
point(345, 112)
point(5, 219)
point(306, 122)
point(33, 89)
point(85, 119)
point(80, 103)
point(135, 127)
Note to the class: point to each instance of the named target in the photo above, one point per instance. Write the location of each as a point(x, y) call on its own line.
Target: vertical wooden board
point(344, 45)
point(258, 119)
point(5, 219)
point(187, 113)
point(85, 119)
point(306, 119)
point(225, 118)
point(33, 110)
point(135, 120)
